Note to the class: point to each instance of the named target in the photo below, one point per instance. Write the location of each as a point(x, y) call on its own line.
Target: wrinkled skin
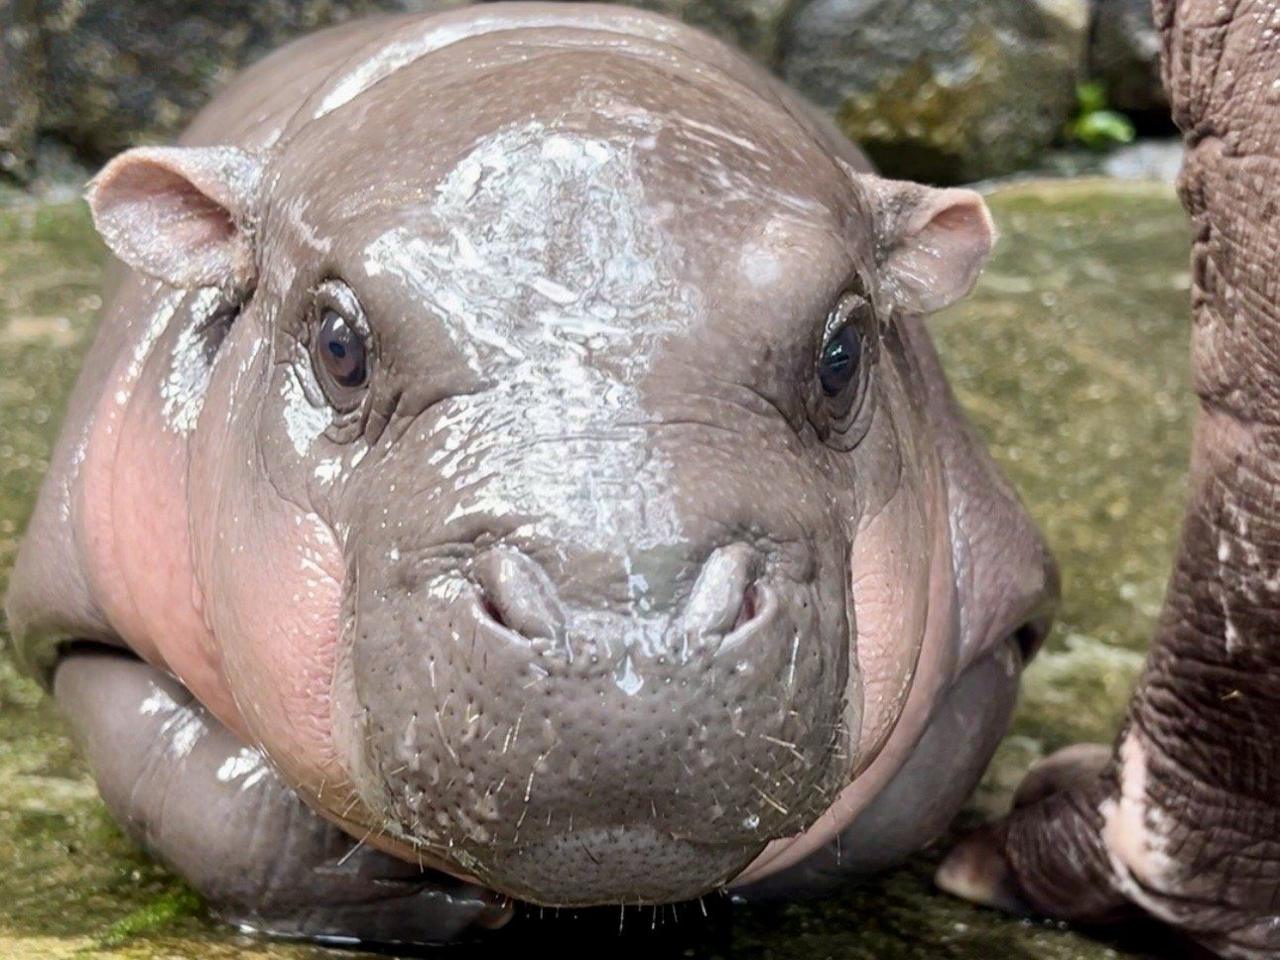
point(1182, 820)
point(460, 459)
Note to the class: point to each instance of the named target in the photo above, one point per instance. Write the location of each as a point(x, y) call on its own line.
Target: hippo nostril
point(1029, 637)
point(749, 609)
point(517, 595)
point(725, 596)
point(492, 611)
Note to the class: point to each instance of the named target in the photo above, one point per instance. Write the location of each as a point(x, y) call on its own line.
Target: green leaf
point(1090, 97)
point(1102, 128)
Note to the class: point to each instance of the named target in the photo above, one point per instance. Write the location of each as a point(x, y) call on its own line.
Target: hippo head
point(564, 513)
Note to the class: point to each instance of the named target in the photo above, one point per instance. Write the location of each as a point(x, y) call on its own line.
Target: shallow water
point(1071, 358)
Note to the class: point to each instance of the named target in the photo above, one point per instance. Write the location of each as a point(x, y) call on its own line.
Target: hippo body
point(513, 465)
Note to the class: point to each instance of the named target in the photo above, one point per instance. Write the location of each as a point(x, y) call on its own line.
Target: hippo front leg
point(1182, 820)
point(209, 807)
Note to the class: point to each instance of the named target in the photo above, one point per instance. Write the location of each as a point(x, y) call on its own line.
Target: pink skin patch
point(279, 629)
point(133, 509)
point(273, 634)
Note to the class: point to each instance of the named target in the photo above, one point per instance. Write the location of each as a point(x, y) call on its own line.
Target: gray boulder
point(19, 97)
point(103, 75)
point(942, 90)
point(121, 73)
point(945, 90)
point(1124, 54)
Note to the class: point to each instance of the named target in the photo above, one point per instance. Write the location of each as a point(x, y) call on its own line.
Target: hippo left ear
point(183, 215)
point(933, 243)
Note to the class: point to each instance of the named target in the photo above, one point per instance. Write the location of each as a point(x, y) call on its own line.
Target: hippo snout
point(643, 747)
point(728, 605)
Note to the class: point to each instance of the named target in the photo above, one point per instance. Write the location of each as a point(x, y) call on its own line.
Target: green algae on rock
point(1072, 360)
point(942, 90)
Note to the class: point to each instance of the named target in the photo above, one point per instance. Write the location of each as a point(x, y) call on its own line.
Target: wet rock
point(114, 75)
point(119, 74)
point(1071, 358)
point(1124, 52)
point(939, 89)
point(1148, 160)
point(942, 90)
point(20, 68)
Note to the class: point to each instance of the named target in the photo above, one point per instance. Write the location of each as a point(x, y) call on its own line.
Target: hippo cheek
point(278, 624)
point(134, 510)
point(269, 572)
point(891, 556)
point(905, 653)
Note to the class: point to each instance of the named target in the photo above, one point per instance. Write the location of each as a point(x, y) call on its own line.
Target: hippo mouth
point(588, 867)
point(575, 757)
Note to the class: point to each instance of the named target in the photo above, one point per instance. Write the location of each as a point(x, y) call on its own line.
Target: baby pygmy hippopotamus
point(513, 466)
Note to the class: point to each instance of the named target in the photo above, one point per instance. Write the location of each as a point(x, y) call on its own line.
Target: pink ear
point(183, 215)
point(934, 242)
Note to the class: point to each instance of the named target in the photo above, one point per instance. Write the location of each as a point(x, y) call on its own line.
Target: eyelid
point(842, 313)
point(333, 294)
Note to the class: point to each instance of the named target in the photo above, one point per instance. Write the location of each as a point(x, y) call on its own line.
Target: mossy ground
point(1072, 359)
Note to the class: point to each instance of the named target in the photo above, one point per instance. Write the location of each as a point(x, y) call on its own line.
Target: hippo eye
point(840, 365)
point(840, 411)
point(340, 344)
point(841, 356)
point(342, 351)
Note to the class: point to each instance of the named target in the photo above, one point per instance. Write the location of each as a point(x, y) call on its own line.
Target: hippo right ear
point(933, 243)
point(183, 215)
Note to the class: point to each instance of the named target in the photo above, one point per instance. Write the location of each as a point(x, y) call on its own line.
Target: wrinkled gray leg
point(210, 808)
point(926, 794)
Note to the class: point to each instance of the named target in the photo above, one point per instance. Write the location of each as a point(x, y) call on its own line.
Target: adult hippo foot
point(1183, 821)
point(213, 810)
point(1096, 839)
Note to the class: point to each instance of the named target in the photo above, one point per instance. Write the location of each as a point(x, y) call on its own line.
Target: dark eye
point(841, 406)
point(341, 350)
point(838, 365)
point(342, 345)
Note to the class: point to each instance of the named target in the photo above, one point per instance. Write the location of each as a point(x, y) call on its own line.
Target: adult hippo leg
point(200, 801)
point(1183, 819)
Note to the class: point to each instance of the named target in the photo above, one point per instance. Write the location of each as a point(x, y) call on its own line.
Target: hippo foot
point(1085, 843)
point(212, 809)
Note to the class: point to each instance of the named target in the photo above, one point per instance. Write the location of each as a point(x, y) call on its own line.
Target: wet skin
point(547, 479)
